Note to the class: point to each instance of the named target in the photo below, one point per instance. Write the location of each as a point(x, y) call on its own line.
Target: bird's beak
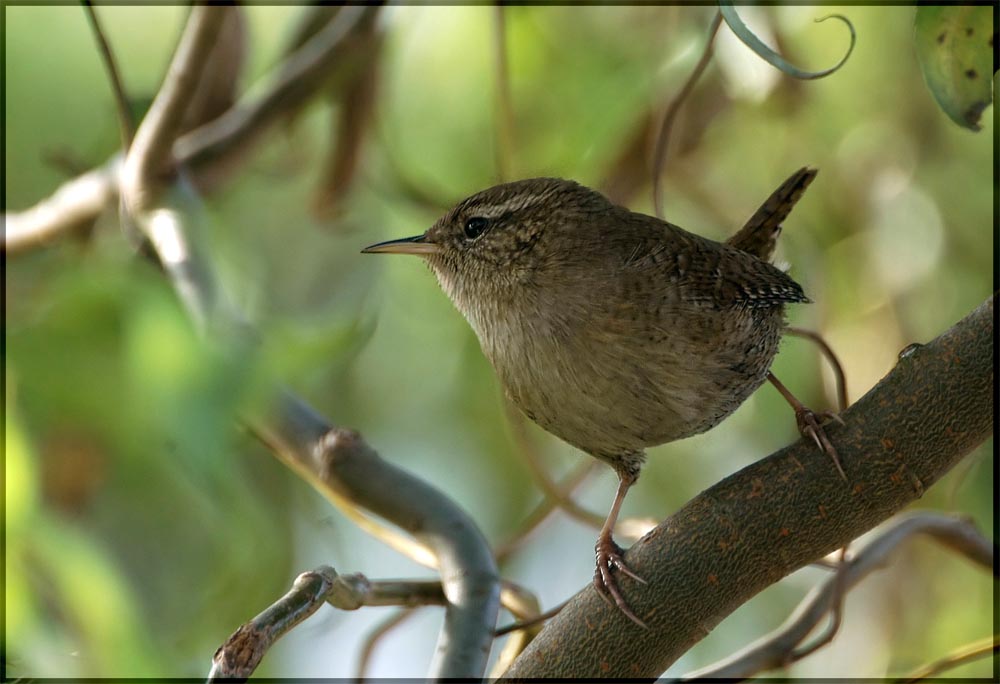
point(411, 245)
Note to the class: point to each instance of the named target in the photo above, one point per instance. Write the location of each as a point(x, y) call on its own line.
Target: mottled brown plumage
point(613, 330)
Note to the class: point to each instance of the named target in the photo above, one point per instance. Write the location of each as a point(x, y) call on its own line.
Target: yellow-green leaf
point(955, 46)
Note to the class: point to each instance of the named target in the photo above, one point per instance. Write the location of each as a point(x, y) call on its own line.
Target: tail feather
point(760, 234)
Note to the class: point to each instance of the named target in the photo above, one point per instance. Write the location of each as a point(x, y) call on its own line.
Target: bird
point(613, 330)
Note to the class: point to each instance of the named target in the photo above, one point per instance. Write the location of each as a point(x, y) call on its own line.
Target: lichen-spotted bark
point(783, 512)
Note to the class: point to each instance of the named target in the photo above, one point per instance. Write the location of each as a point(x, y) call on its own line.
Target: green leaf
point(956, 46)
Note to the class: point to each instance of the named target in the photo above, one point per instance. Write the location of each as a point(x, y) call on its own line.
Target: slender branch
point(78, 202)
point(783, 512)
point(631, 528)
point(532, 459)
point(525, 606)
point(337, 461)
point(965, 654)
point(660, 149)
point(530, 622)
point(779, 648)
point(242, 652)
point(836, 613)
point(505, 110)
point(340, 464)
point(126, 123)
point(151, 151)
point(375, 636)
point(74, 205)
point(544, 508)
point(831, 357)
point(291, 84)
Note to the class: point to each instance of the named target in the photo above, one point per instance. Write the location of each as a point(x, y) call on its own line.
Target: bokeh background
point(143, 526)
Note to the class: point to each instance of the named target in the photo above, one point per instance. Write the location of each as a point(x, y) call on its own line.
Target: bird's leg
point(808, 423)
point(609, 555)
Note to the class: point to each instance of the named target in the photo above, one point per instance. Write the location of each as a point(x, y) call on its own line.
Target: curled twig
point(773, 58)
point(782, 646)
point(831, 357)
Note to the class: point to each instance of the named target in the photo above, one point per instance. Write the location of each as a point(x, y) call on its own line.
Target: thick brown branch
point(783, 512)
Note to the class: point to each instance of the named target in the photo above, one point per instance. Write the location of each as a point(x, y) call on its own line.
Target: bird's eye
point(476, 226)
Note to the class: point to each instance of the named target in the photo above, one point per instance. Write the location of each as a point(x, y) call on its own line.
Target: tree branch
point(783, 512)
point(667, 123)
point(126, 123)
point(151, 151)
point(294, 82)
point(335, 460)
point(966, 654)
point(779, 648)
point(340, 464)
point(242, 652)
point(74, 205)
point(78, 202)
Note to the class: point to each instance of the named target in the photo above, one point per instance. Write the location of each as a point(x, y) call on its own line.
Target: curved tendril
point(729, 13)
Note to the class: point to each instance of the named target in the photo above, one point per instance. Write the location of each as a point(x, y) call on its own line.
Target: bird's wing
point(666, 262)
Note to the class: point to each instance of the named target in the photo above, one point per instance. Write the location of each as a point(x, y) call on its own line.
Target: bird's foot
point(609, 559)
point(811, 425)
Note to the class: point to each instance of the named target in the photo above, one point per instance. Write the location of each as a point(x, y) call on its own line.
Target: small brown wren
point(613, 330)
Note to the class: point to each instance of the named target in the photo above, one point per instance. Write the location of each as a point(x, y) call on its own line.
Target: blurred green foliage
point(143, 525)
point(956, 49)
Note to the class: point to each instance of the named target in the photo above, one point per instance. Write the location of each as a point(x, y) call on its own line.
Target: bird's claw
point(609, 559)
point(810, 425)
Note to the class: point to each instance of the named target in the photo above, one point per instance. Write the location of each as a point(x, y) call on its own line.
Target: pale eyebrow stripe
point(513, 204)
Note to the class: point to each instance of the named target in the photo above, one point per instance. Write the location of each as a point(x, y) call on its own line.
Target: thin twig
point(335, 460)
point(660, 149)
point(126, 123)
point(532, 459)
point(631, 528)
point(79, 202)
point(836, 612)
point(151, 150)
point(778, 648)
point(960, 656)
point(74, 205)
point(524, 606)
point(505, 110)
point(531, 622)
point(376, 635)
point(831, 357)
point(243, 651)
point(542, 511)
point(291, 84)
